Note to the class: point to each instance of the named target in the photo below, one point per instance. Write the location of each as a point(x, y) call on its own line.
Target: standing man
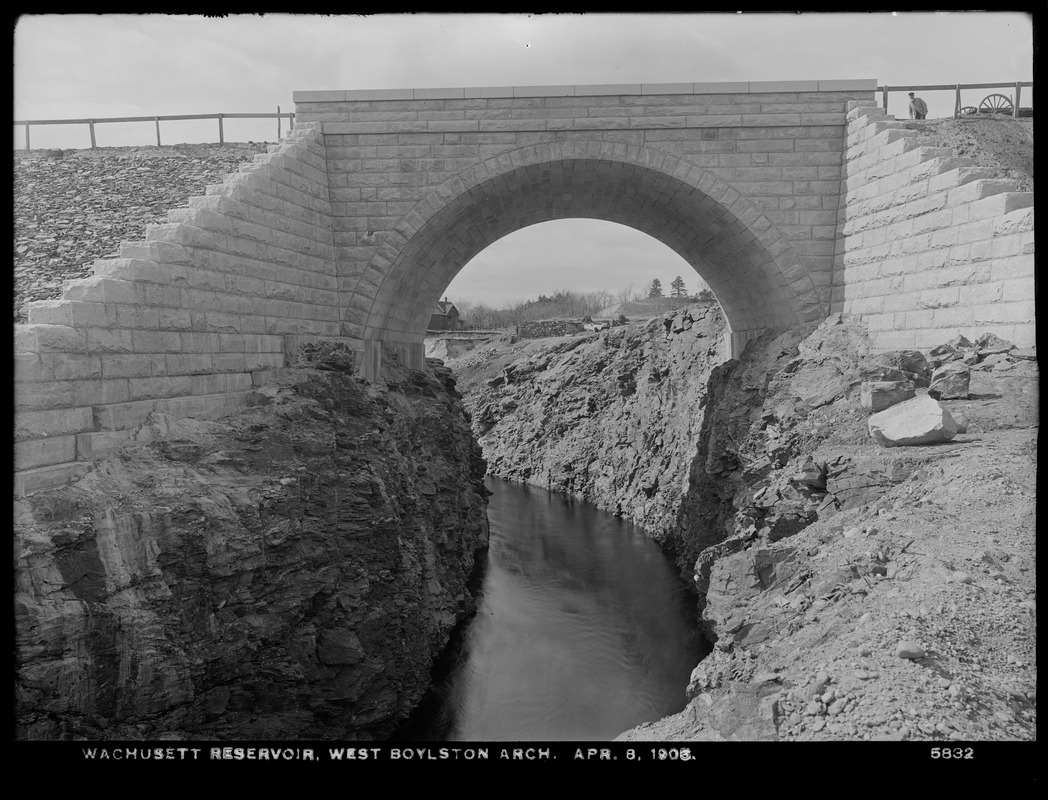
point(918, 108)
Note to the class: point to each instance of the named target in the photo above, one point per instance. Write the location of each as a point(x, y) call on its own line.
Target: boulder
point(1024, 354)
point(910, 650)
point(879, 395)
point(873, 371)
point(995, 361)
point(958, 343)
point(811, 474)
point(913, 422)
point(897, 365)
point(990, 343)
point(951, 382)
point(950, 351)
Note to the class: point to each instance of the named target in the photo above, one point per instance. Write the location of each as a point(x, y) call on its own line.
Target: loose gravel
point(75, 206)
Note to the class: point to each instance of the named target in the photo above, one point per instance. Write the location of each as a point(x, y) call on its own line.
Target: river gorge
point(583, 630)
point(294, 570)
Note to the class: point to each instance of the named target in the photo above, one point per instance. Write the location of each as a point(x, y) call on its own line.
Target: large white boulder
point(918, 421)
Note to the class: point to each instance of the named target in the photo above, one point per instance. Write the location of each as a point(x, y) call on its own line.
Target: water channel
point(583, 630)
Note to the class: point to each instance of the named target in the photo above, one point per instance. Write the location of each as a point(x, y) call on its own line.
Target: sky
point(109, 65)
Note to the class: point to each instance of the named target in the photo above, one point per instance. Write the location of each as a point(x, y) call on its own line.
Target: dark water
point(583, 630)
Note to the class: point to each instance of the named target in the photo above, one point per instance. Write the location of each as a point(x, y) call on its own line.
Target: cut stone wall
point(928, 246)
point(179, 322)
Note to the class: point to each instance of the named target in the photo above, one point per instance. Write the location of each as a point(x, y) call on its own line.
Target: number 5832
point(953, 752)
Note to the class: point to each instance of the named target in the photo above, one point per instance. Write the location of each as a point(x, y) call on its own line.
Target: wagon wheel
point(996, 104)
point(967, 111)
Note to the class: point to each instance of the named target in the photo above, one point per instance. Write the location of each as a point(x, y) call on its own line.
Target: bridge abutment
point(929, 246)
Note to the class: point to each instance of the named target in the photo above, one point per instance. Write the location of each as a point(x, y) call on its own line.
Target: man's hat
point(911, 94)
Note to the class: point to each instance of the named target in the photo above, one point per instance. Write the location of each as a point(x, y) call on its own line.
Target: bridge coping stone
point(584, 90)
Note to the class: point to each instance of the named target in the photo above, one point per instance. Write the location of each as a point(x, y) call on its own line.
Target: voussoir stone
point(913, 422)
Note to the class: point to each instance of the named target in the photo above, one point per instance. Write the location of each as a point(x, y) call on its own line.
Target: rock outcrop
point(287, 572)
point(613, 417)
point(814, 551)
point(840, 550)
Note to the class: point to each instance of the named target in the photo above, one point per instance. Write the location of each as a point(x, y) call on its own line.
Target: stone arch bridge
point(742, 180)
point(791, 199)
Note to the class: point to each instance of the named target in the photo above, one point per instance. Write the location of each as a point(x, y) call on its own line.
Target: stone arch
point(757, 277)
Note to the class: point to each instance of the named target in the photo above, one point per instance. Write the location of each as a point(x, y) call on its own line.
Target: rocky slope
point(854, 591)
point(288, 572)
point(1000, 144)
point(905, 609)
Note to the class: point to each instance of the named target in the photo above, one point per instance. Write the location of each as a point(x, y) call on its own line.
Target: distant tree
point(655, 289)
point(677, 288)
point(601, 299)
point(560, 304)
point(706, 296)
point(465, 308)
point(482, 317)
point(626, 294)
point(515, 311)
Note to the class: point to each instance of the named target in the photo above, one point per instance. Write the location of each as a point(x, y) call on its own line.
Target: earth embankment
point(73, 207)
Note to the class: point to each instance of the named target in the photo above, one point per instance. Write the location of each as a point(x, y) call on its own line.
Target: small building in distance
point(445, 317)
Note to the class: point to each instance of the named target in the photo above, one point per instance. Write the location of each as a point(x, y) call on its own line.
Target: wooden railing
point(158, 119)
point(1018, 85)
